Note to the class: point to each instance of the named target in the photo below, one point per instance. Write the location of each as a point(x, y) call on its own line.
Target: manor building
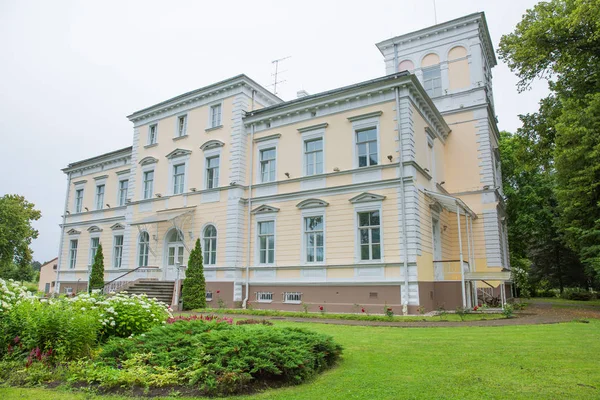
point(385, 192)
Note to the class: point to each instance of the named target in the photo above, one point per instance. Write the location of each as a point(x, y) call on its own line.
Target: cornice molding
point(265, 138)
point(178, 153)
point(94, 228)
point(265, 209)
point(365, 116)
point(312, 203)
point(211, 144)
point(366, 197)
point(148, 160)
point(313, 127)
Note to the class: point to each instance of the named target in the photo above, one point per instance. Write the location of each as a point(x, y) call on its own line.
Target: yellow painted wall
point(461, 161)
point(89, 192)
point(430, 60)
point(458, 69)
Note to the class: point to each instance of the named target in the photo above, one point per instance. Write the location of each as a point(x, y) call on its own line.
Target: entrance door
point(438, 267)
point(174, 254)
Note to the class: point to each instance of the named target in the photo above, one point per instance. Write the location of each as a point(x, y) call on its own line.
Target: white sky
point(71, 71)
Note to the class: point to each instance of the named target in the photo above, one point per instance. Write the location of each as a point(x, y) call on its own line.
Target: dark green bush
point(577, 294)
point(214, 357)
point(253, 321)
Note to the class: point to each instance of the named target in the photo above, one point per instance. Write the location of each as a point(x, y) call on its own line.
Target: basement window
point(372, 295)
point(208, 296)
point(264, 297)
point(292, 297)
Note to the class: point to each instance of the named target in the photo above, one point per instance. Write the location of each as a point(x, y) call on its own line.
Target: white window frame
point(143, 185)
point(73, 253)
point(264, 297)
point(292, 297)
point(426, 82)
point(99, 205)
point(178, 178)
point(265, 145)
point(68, 290)
point(178, 133)
point(368, 207)
point(93, 250)
point(117, 255)
point(122, 200)
point(78, 206)
point(152, 139)
point(267, 217)
point(205, 248)
point(361, 125)
point(313, 212)
point(268, 163)
point(139, 248)
point(209, 156)
point(175, 161)
point(209, 295)
point(308, 137)
point(211, 123)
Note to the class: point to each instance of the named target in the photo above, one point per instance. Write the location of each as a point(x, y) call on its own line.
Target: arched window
point(432, 75)
point(143, 249)
point(175, 247)
point(406, 65)
point(210, 245)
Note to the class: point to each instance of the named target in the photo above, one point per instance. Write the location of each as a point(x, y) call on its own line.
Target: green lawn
point(558, 301)
point(558, 361)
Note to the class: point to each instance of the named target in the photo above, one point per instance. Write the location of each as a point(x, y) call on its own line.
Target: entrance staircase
point(161, 290)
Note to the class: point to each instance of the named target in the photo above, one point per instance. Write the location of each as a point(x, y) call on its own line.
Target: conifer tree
point(194, 284)
point(97, 273)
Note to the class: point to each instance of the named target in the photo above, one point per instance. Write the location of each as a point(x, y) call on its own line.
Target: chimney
point(301, 93)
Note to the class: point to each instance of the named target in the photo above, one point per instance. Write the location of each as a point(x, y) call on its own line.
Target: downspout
point(249, 249)
point(62, 236)
point(402, 203)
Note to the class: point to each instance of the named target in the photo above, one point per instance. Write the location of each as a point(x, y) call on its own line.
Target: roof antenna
point(277, 72)
point(434, 12)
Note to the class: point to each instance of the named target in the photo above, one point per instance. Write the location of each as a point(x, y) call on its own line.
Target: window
point(118, 251)
point(369, 232)
point(73, 253)
point(148, 184)
point(366, 146)
point(69, 290)
point(313, 239)
point(266, 242)
point(210, 245)
point(215, 115)
point(152, 134)
point(47, 288)
point(99, 197)
point(78, 200)
point(94, 242)
point(292, 297)
point(313, 156)
point(209, 296)
point(143, 249)
point(212, 172)
point(267, 165)
point(432, 81)
point(123, 187)
point(178, 178)
point(175, 248)
point(264, 297)
point(181, 125)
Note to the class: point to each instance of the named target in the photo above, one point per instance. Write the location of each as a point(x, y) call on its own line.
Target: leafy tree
point(97, 273)
point(194, 284)
point(23, 271)
point(559, 41)
point(16, 232)
point(36, 266)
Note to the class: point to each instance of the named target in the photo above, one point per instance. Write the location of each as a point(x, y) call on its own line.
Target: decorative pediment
point(178, 153)
point(211, 144)
point(366, 197)
point(312, 203)
point(73, 231)
point(436, 206)
point(148, 160)
point(94, 228)
point(265, 209)
point(117, 226)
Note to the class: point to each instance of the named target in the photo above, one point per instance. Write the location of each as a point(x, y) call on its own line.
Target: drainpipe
point(249, 249)
point(402, 204)
point(62, 235)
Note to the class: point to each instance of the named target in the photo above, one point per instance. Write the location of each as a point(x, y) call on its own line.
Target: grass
point(354, 317)
point(518, 362)
point(558, 301)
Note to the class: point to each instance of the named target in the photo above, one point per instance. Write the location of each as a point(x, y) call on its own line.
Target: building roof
point(53, 261)
point(116, 153)
point(479, 17)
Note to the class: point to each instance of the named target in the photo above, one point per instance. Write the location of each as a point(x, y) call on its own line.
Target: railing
point(117, 285)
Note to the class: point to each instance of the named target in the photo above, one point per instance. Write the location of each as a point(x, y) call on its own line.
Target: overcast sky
point(70, 71)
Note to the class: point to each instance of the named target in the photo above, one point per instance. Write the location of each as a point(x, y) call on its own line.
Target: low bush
point(253, 322)
point(211, 358)
point(577, 294)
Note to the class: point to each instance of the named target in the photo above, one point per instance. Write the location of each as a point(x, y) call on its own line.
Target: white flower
point(112, 323)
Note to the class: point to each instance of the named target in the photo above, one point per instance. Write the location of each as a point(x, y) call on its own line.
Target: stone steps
point(161, 290)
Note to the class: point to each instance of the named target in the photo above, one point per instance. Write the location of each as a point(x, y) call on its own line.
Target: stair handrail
point(125, 274)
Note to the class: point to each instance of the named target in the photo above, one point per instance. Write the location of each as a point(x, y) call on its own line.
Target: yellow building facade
point(383, 193)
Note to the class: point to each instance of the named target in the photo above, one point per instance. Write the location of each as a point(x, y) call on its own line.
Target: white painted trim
point(148, 141)
point(312, 212)
point(206, 225)
point(215, 152)
point(210, 106)
point(265, 217)
point(363, 124)
point(266, 145)
point(368, 207)
point(174, 161)
point(177, 117)
point(309, 135)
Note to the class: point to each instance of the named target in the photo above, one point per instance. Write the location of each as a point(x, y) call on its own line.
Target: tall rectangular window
point(148, 184)
point(118, 251)
point(366, 147)
point(267, 165)
point(432, 81)
point(212, 172)
point(313, 239)
point(73, 253)
point(215, 115)
point(152, 134)
point(123, 187)
point(313, 156)
point(178, 178)
point(266, 242)
point(369, 233)
point(78, 200)
point(94, 242)
point(181, 125)
point(100, 197)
